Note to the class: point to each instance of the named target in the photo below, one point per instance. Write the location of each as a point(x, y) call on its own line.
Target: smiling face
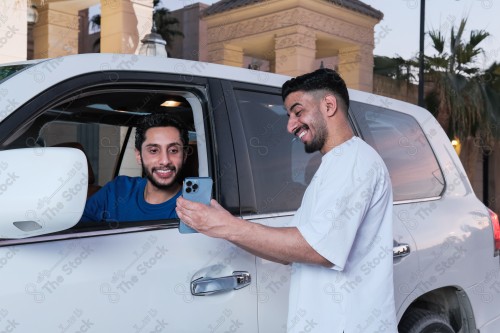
point(162, 157)
point(306, 120)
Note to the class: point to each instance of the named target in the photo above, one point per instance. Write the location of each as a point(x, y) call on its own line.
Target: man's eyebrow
point(169, 145)
point(292, 107)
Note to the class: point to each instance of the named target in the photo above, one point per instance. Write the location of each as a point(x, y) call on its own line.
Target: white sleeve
point(343, 197)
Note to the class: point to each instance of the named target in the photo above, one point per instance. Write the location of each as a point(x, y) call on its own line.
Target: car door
point(121, 276)
point(273, 173)
point(396, 144)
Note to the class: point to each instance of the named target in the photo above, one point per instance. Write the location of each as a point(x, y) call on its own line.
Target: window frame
point(249, 196)
point(198, 86)
point(360, 133)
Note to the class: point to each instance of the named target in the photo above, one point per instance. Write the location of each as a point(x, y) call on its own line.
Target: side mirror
point(42, 190)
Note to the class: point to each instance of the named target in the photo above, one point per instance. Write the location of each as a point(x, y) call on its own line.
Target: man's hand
point(284, 245)
point(213, 220)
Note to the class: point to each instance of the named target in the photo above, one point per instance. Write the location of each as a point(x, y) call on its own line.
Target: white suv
point(58, 276)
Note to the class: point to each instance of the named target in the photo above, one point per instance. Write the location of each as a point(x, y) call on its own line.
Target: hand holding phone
point(198, 189)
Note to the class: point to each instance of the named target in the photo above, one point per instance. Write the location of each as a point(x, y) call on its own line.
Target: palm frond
point(438, 41)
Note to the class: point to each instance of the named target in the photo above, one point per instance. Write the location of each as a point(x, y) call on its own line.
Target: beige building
point(56, 32)
point(289, 37)
point(283, 36)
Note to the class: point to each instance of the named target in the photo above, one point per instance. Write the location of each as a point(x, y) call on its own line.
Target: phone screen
point(197, 189)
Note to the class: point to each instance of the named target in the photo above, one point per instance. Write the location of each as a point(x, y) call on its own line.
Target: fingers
point(183, 209)
point(192, 205)
point(189, 211)
point(187, 204)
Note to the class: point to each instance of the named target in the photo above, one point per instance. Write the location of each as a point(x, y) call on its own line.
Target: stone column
point(225, 54)
point(55, 34)
point(295, 51)
point(124, 24)
point(356, 67)
point(13, 31)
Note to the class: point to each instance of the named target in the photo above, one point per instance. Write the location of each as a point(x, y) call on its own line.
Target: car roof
point(46, 72)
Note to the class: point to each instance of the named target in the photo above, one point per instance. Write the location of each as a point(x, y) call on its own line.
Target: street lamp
point(421, 56)
point(153, 44)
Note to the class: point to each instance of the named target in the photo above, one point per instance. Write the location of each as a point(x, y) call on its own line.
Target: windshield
point(9, 70)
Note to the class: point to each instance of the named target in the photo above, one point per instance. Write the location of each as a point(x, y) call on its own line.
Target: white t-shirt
point(346, 216)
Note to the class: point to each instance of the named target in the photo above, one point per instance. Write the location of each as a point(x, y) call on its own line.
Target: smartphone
point(197, 189)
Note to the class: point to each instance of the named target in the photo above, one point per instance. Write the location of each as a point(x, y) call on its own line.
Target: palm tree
point(166, 24)
point(491, 79)
point(465, 100)
point(460, 99)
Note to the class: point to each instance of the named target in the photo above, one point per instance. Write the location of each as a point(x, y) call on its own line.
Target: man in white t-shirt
point(340, 239)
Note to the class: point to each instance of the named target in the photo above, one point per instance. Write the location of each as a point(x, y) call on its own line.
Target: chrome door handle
point(400, 250)
point(208, 285)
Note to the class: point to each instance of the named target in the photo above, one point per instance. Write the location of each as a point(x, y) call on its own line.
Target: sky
point(398, 33)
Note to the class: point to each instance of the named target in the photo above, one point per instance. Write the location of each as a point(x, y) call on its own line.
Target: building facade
point(289, 37)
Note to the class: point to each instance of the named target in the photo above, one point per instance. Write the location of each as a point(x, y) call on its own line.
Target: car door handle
point(209, 285)
point(400, 250)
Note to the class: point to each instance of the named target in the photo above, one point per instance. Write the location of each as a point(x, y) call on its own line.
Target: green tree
point(461, 99)
point(396, 68)
point(465, 99)
point(166, 24)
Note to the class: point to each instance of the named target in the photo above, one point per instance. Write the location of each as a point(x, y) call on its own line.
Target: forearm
point(284, 245)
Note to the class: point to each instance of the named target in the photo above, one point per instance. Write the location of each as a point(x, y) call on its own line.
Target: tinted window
point(280, 167)
point(398, 138)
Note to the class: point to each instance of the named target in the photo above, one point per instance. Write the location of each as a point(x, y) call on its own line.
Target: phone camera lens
point(188, 189)
point(195, 187)
point(189, 183)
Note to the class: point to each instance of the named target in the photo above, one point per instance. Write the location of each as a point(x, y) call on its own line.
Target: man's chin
point(311, 148)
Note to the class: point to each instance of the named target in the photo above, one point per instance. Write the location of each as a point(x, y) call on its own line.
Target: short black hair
point(160, 120)
point(321, 79)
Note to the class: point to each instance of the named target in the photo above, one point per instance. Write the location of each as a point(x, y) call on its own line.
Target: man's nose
point(164, 157)
point(292, 124)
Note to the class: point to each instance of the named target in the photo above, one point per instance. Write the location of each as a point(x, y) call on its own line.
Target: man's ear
point(138, 156)
point(331, 105)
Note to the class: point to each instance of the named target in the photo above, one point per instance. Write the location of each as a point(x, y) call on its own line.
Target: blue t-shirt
point(123, 200)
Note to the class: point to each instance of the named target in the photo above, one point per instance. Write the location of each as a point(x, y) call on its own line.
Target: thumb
point(216, 205)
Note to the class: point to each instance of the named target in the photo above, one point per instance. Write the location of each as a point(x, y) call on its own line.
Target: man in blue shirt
point(161, 143)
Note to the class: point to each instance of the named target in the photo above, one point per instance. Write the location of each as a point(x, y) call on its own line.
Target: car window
point(100, 142)
point(102, 123)
point(280, 167)
point(400, 141)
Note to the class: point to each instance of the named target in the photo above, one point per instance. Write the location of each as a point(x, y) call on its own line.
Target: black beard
point(149, 176)
point(314, 146)
point(319, 141)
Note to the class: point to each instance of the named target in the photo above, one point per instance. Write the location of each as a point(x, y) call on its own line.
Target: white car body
point(138, 278)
